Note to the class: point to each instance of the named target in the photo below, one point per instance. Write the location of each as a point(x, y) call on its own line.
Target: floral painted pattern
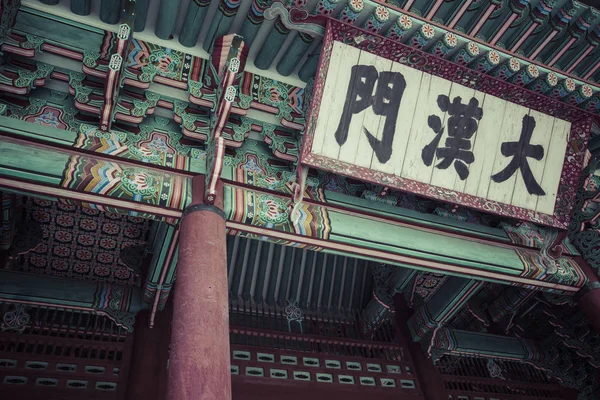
point(81, 243)
point(473, 48)
point(405, 22)
point(493, 57)
point(533, 71)
point(428, 31)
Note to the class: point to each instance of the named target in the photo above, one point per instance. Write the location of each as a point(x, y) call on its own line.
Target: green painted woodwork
point(164, 256)
point(397, 282)
point(220, 24)
point(296, 50)
point(273, 274)
point(193, 23)
point(55, 29)
point(354, 230)
point(110, 11)
point(309, 68)
point(50, 2)
point(38, 132)
point(141, 13)
point(431, 246)
point(118, 302)
point(57, 291)
point(271, 46)
point(167, 18)
point(508, 303)
point(411, 216)
point(134, 190)
point(485, 344)
point(249, 32)
point(442, 306)
point(81, 7)
point(16, 162)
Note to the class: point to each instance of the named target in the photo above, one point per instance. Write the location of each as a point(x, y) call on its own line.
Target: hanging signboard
point(392, 115)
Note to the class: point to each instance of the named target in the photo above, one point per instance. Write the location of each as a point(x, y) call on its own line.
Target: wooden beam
point(117, 65)
point(229, 55)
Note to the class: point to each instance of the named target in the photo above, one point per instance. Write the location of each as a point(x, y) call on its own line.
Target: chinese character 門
point(385, 102)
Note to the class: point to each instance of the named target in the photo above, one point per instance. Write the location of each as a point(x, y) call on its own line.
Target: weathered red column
point(589, 295)
point(430, 380)
point(199, 366)
point(148, 369)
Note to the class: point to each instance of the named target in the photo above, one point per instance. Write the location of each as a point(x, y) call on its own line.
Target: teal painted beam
point(457, 342)
point(160, 276)
point(558, 22)
point(221, 23)
point(55, 29)
point(509, 302)
point(294, 53)
point(141, 14)
point(272, 45)
point(496, 21)
point(8, 214)
point(411, 216)
point(167, 18)
point(110, 11)
point(62, 292)
point(442, 306)
point(50, 2)
point(194, 19)
point(377, 309)
point(81, 7)
point(58, 173)
point(118, 302)
point(253, 21)
point(309, 68)
point(379, 232)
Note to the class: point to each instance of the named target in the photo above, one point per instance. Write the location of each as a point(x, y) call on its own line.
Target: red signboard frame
point(581, 123)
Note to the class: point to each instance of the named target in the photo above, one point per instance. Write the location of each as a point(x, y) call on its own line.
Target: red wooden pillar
point(148, 370)
point(430, 379)
point(589, 302)
point(199, 366)
point(589, 295)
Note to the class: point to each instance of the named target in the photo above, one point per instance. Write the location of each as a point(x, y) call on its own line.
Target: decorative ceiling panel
point(80, 243)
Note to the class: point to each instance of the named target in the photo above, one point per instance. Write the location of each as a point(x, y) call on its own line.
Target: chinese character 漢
point(520, 151)
point(385, 102)
point(462, 125)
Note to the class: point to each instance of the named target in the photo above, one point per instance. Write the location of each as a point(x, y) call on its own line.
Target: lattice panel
point(327, 369)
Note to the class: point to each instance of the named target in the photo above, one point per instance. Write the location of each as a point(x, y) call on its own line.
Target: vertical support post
point(116, 66)
point(430, 379)
point(229, 58)
point(199, 366)
point(150, 356)
point(589, 302)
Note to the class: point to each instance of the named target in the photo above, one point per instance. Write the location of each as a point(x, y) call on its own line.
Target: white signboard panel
point(382, 115)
